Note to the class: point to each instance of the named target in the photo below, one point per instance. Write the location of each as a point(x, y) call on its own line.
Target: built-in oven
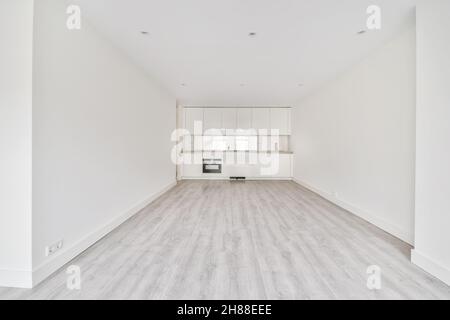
point(212, 166)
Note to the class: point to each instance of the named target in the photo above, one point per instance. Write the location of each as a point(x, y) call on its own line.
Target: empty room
point(224, 150)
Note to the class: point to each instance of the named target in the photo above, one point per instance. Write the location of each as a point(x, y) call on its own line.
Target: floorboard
point(242, 240)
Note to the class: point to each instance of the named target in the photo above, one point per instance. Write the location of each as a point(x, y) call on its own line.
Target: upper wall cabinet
point(261, 118)
point(212, 118)
point(229, 120)
point(192, 115)
point(244, 119)
point(280, 120)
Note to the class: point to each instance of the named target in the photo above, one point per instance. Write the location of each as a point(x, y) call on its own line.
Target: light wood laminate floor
point(242, 240)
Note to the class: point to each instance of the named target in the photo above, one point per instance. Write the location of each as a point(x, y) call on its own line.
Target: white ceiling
point(205, 44)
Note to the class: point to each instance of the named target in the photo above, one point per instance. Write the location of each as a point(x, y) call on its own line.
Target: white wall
point(432, 251)
point(101, 132)
point(16, 31)
point(354, 139)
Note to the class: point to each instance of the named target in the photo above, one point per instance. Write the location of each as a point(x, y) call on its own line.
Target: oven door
point(212, 166)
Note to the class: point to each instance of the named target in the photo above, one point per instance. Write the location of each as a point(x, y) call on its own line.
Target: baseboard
point(247, 178)
point(49, 267)
point(380, 223)
point(16, 278)
point(432, 267)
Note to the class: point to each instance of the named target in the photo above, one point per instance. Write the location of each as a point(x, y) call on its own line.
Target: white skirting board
point(228, 179)
point(45, 270)
point(16, 278)
point(380, 223)
point(429, 265)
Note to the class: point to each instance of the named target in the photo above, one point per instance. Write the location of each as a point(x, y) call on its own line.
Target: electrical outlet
point(51, 249)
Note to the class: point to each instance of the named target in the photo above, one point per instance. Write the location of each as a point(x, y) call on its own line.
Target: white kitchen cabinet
point(240, 164)
point(273, 165)
point(192, 115)
point(192, 171)
point(229, 118)
point(192, 165)
point(280, 120)
point(188, 143)
point(212, 118)
point(244, 119)
point(261, 119)
point(239, 121)
point(285, 166)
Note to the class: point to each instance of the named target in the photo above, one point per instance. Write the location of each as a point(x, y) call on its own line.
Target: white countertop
point(236, 151)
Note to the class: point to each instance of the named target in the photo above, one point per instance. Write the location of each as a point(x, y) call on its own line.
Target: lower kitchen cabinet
point(285, 168)
point(192, 171)
point(249, 165)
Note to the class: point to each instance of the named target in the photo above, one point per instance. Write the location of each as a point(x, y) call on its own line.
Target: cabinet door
point(244, 118)
point(192, 115)
point(213, 120)
point(261, 118)
point(229, 120)
point(279, 167)
point(285, 166)
point(192, 171)
point(279, 119)
point(192, 165)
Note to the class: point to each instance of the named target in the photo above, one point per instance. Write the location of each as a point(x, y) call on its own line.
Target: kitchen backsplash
point(236, 143)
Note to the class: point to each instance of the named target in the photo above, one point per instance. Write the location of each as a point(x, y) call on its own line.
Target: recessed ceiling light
point(361, 32)
point(252, 34)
